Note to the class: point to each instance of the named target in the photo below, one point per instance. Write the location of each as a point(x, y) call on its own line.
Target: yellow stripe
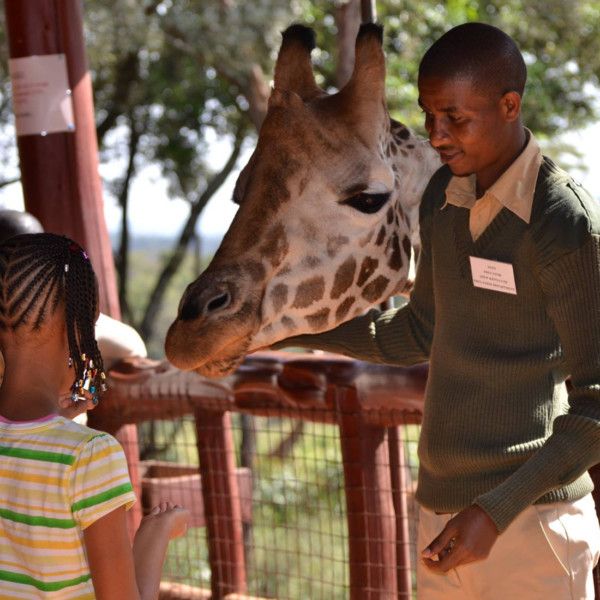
point(60, 544)
point(36, 510)
point(21, 476)
point(96, 456)
point(47, 444)
point(22, 568)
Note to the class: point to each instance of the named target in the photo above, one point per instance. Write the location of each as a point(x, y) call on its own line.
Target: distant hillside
point(157, 244)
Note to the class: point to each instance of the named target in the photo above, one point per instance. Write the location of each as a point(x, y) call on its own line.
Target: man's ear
point(510, 104)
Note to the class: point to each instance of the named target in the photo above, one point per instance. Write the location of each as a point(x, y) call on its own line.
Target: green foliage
point(560, 40)
point(173, 71)
point(143, 269)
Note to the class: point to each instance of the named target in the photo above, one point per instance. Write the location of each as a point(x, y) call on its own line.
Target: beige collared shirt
point(514, 190)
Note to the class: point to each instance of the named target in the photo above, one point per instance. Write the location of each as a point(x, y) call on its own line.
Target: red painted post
point(221, 497)
point(370, 510)
point(400, 483)
point(59, 171)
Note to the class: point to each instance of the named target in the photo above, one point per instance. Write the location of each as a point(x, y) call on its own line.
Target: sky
point(153, 213)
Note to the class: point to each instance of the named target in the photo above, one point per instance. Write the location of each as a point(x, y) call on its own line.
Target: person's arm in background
point(117, 340)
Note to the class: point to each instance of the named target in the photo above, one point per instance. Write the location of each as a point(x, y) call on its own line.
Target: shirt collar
point(514, 189)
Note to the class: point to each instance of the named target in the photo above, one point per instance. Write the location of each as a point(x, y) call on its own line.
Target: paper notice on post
point(40, 93)
point(493, 275)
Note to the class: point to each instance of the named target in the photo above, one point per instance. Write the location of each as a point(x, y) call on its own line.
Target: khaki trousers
point(547, 553)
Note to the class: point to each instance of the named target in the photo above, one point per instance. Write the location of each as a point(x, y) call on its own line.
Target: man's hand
point(467, 537)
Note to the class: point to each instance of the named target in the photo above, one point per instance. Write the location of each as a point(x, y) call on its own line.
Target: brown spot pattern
point(366, 269)
point(344, 277)
point(366, 239)
point(335, 243)
point(318, 320)
point(406, 245)
point(311, 261)
point(390, 215)
point(309, 291)
point(395, 256)
point(276, 247)
point(343, 308)
point(403, 134)
point(374, 290)
point(380, 236)
point(254, 269)
point(288, 323)
point(279, 296)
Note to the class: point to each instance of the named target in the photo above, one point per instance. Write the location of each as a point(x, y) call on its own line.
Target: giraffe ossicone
point(328, 214)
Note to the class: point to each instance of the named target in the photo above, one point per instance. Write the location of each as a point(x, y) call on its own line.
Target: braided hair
point(37, 273)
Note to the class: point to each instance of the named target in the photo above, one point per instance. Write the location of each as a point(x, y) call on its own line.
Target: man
point(506, 305)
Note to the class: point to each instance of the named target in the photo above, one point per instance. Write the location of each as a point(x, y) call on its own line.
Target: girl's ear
point(511, 106)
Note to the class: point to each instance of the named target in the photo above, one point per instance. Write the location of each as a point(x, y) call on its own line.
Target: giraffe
point(327, 218)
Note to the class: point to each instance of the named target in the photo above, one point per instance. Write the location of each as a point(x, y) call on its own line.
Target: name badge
point(493, 275)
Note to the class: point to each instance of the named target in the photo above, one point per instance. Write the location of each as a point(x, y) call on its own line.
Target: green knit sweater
point(499, 429)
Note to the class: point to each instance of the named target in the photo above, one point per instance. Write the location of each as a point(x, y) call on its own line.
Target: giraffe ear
point(293, 70)
point(368, 77)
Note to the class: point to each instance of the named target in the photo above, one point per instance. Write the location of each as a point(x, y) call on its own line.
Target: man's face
point(466, 126)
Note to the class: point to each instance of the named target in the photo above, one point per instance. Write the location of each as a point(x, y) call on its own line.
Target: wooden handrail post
point(370, 510)
point(221, 503)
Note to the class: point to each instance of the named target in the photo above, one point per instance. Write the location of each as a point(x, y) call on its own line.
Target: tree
point(168, 71)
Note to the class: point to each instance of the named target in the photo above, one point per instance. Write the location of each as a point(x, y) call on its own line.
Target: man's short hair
point(479, 52)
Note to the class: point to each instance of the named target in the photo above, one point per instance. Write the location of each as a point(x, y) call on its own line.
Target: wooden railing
point(368, 402)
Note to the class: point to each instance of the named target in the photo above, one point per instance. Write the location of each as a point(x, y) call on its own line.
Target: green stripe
point(53, 586)
point(102, 497)
point(53, 457)
point(31, 520)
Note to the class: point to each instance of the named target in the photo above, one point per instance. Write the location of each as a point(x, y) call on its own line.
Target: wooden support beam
point(221, 503)
point(401, 485)
point(370, 510)
point(59, 171)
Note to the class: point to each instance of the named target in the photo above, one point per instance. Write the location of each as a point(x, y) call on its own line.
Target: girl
point(64, 488)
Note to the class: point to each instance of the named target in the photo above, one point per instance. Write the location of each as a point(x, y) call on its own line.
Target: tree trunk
point(347, 20)
point(135, 132)
point(146, 327)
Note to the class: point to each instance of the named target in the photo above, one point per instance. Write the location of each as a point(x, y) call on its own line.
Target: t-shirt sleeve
point(99, 480)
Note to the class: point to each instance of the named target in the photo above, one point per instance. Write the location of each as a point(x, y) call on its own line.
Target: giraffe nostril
point(190, 310)
point(218, 303)
point(194, 306)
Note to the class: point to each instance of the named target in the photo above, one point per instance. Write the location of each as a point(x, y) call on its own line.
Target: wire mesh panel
point(290, 476)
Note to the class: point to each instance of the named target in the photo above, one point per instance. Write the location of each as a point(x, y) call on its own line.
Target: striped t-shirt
point(56, 478)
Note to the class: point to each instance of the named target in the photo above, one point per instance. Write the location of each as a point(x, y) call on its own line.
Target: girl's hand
point(171, 518)
point(467, 537)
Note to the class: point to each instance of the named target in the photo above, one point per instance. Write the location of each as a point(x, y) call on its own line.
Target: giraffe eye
point(367, 203)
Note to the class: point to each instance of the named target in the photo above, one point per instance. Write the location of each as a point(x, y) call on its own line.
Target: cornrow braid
point(37, 272)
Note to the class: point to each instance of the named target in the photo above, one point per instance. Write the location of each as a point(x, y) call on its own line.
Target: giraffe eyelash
point(367, 203)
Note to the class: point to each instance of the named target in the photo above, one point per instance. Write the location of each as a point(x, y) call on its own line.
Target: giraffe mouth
point(200, 354)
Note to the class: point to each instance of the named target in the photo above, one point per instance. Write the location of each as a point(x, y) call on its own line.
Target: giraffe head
point(328, 207)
